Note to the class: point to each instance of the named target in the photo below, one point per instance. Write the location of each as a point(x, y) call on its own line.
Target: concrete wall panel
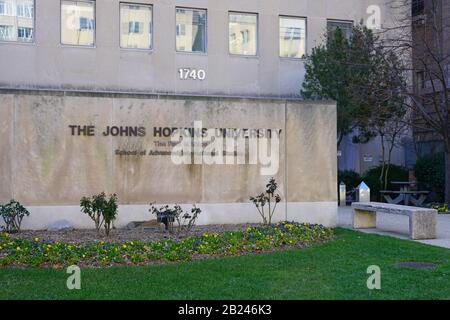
point(51, 166)
point(6, 146)
point(311, 152)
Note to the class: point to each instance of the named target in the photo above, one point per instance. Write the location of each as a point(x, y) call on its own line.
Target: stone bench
point(422, 221)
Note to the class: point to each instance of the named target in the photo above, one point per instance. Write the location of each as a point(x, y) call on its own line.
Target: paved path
point(398, 226)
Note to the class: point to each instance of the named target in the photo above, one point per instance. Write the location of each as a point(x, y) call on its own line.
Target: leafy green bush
point(185, 220)
point(372, 179)
point(110, 211)
point(101, 209)
point(430, 174)
point(13, 214)
point(351, 179)
point(441, 207)
point(268, 197)
point(27, 253)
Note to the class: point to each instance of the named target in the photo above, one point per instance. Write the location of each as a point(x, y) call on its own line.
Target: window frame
point(206, 31)
point(23, 7)
point(341, 21)
point(420, 84)
point(19, 42)
point(417, 8)
point(69, 45)
point(252, 56)
point(150, 5)
point(306, 36)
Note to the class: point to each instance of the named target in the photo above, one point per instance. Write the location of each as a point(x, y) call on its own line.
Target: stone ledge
point(391, 208)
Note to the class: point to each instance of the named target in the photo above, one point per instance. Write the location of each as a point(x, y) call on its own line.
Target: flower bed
point(442, 208)
point(26, 253)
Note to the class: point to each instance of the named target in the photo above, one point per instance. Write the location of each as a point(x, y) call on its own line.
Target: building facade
point(431, 67)
point(88, 90)
point(239, 48)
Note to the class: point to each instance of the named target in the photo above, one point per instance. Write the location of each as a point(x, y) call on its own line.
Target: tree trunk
point(339, 140)
point(383, 166)
point(388, 165)
point(447, 175)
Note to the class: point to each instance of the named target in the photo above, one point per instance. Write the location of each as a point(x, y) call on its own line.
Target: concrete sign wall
point(58, 147)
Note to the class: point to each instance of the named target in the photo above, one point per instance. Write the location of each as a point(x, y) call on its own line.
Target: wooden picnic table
point(417, 198)
point(404, 185)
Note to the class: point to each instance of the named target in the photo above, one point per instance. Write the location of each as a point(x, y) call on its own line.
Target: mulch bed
point(146, 234)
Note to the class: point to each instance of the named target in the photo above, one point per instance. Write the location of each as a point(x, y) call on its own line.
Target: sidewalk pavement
point(398, 226)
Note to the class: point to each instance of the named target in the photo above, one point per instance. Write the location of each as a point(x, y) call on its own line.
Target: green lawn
point(335, 270)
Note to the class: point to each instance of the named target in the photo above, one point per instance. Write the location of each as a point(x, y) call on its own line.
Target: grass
point(334, 270)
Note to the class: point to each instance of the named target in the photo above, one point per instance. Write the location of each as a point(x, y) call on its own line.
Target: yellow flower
point(249, 229)
point(132, 243)
point(18, 248)
point(1, 247)
point(124, 246)
point(36, 239)
point(84, 256)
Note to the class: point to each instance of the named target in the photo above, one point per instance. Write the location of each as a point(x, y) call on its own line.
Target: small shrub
point(351, 179)
point(13, 213)
point(441, 207)
point(91, 207)
point(430, 174)
point(101, 209)
point(186, 221)
point(167, 215)
point(110, 212)
point(270, 198)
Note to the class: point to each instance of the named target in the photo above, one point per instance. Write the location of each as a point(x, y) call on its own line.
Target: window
point(134, 27)
point(345, 26)
point(292, 37)
point(24, 34)
point(417, 7)
point(6, 8)
point(420, 81)
point(86, 24)
point(6, 33)
point(78, 23)
point(245, 36)
point(191, 30)
point(17, 20)
point(25, 10)
point(136, 22)
point(243, 33)
point(181, 29)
